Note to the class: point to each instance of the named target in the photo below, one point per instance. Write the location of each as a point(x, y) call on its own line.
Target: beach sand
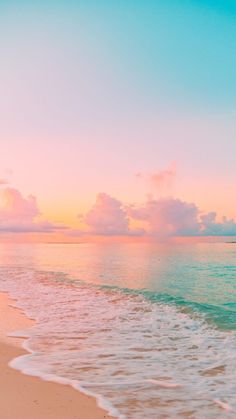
point(25, 397)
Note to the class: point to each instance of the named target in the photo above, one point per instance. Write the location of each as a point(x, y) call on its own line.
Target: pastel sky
point(118, 117)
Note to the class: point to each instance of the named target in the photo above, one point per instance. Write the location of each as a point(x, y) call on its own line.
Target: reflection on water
point(181, 270)
point(128, 322)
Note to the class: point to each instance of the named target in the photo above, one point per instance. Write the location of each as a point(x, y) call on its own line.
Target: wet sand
point(25, 397)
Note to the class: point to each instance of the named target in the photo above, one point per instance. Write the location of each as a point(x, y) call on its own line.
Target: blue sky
point(169, 52)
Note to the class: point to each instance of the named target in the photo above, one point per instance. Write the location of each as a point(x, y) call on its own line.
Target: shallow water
point(149, 329)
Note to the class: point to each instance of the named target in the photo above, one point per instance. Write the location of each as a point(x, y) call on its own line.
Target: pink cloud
point(172, 217)
point(19, 214)
point(107, 217)
point(168, 217)
point(3, 182)
point(212, 227)
point(164, 217)
point(161, 180)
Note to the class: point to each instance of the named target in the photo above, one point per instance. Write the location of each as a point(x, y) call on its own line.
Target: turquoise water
point(148, 329)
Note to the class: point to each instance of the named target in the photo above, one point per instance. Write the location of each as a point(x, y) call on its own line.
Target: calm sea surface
point(150, 330)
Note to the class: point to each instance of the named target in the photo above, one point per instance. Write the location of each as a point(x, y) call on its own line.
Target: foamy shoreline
point(30, 397)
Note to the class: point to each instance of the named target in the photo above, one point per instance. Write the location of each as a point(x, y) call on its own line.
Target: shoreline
point(28, 396)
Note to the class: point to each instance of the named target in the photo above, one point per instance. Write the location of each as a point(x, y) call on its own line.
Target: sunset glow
point(115, 101)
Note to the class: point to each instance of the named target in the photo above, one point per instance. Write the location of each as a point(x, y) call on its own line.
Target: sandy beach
point(25, 397)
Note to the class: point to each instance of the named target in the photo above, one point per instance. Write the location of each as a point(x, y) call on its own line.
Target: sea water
point(148, 329)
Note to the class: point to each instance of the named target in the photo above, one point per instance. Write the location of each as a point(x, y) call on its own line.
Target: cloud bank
point(107, 217)
point(161, 218)
point(167, 217)
point(173, 217)
point(164, 217)
point(224, 227)
point(21, 215)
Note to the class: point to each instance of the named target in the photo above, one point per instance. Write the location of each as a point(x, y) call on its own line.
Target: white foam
point(164, 384)
point(114, 346)
point(224, 406)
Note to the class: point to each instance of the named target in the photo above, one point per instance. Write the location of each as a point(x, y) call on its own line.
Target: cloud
point(161, 218)
point(161, 180)
point(210, 227)
point(172, 217)
point(168, 217)
point(107, 217)
point(19, 214)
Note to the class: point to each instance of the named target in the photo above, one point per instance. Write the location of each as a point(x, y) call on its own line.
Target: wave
point(136, 351)
point(222, 316)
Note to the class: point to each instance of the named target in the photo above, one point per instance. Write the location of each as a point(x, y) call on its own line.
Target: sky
point(118, 117)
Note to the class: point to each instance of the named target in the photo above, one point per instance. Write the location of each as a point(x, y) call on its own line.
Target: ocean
point(147, 329)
